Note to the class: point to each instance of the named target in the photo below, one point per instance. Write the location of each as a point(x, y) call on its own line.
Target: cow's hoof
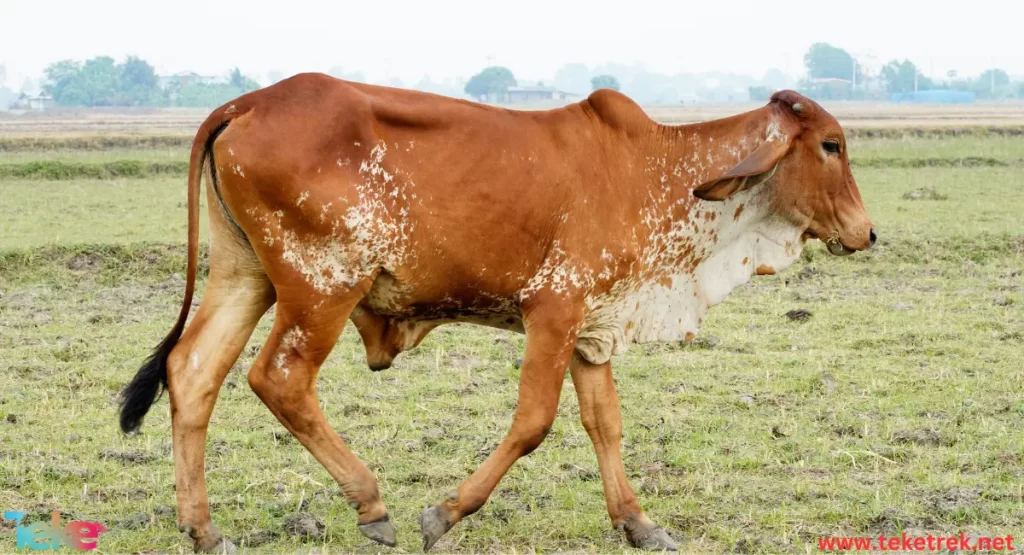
point(380, 531)
point(653, 540)
point(433, 525)
point(646, 535)
point(223, 545)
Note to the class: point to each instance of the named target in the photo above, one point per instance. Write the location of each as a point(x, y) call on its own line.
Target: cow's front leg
point(599, 411)
point(550, 339)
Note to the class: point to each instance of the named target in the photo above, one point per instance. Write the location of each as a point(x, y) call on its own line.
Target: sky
point(412, 38)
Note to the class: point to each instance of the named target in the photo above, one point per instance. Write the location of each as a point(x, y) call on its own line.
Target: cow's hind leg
point(550, 339)
point(600, 413)
point(306, 327)
point(238, 293)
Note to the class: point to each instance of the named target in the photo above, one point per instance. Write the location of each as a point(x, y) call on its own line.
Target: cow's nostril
point(872, 236)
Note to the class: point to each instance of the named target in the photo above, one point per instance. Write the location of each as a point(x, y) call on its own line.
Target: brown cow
point(587, 228)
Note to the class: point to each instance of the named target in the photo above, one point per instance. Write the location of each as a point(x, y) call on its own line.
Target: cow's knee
point(269, 391)
point(258, 382)
point(285, 390)
point(265, 387)
point(532, 435)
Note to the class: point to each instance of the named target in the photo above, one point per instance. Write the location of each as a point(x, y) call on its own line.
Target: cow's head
point(805, 164)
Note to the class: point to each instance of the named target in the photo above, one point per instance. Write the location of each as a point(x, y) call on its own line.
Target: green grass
point(85, 156)
point(58, 144)
point(93, 212)
point(895, 407)
point(934, 130)
point(118, 169)
point(883, 152)
point(1000, 148)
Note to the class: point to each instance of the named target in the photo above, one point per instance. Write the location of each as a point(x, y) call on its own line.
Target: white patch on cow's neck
point(673, 307)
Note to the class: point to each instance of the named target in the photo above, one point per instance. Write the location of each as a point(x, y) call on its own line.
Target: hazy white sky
point(412, 38)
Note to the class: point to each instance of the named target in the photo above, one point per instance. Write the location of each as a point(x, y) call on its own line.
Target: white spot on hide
point(668, 298)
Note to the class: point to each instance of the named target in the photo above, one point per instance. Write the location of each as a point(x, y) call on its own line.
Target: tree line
point(825, 62)
point(831, 73)
point(101, 81)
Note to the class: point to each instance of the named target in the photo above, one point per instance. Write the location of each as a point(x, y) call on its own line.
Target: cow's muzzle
point(838, 248)
point(835, 245)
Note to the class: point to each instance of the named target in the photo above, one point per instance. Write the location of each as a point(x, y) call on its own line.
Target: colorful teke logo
point(78, 534)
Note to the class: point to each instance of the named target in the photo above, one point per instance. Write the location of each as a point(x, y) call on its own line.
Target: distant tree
point(899, 77)
point(58, 76)
point(206, 95)
point(604, 82)
point(492, 80)
point(210, 95)
point(824, 61)
point(994, 78)
point(241, 82)
point(992, 83)
point(274, 77)
point(137, 73)
point(138, 84)
point(102, 82)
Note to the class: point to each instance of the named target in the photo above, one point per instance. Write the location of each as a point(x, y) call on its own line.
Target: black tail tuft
point(142, 391)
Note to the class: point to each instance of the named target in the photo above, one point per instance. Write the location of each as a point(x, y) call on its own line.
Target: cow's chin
point(833, 244)
point(838, 249)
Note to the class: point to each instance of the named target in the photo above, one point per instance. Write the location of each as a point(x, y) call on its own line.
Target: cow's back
point(456, 203)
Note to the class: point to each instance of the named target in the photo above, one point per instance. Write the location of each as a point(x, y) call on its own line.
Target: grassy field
point(1007, 148)
point(895, 407)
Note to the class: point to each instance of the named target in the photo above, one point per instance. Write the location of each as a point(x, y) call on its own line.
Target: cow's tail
point(140, 394)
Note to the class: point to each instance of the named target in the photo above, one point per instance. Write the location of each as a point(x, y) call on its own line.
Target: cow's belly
point(411, 305)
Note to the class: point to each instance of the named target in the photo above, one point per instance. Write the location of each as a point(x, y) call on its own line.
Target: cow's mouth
point(839, 249)
point(835, 246)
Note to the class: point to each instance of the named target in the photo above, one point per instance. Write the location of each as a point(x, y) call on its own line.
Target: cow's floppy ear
point(756, 168)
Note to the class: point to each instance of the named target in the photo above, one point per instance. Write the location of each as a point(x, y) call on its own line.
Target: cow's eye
point(831, 146)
